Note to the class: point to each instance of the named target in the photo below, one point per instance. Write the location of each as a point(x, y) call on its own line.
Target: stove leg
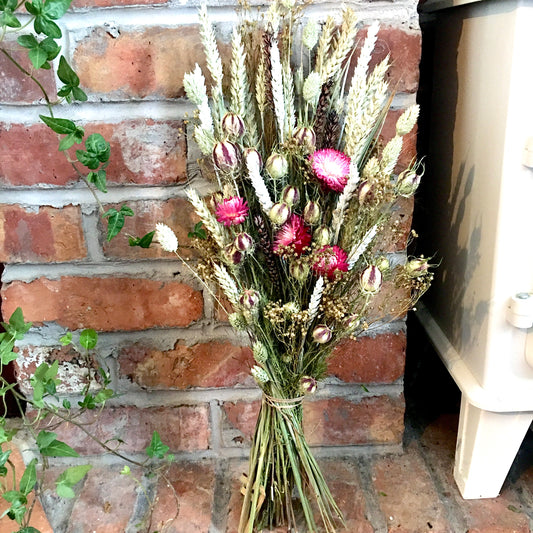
point(487, 444)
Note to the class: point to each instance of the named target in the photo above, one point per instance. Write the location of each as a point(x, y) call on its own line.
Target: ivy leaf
point(87, 159)
point(55, 9)
point(144, 242)
point(79, 94)
point(88, 338)
point(8, 19)
point(116, 220)
point(99, 179)
point(38, 57)
point(29, 478)
point(198, 232)
point(97, 145)
point(66, 74)
point(66, 404)
point(88, 402)
point(4, 457)
point(66, 339)
point(59, 125)
point(28, 41)
point(71, 139)
point(103, 395)
point(17, 327)
point(58, 448)
point(70, 477)
point(43, 24)
point(156, 448)
point(34, 8)
point(28, 529)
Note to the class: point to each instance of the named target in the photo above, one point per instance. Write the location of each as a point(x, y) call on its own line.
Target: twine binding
point(283, 403)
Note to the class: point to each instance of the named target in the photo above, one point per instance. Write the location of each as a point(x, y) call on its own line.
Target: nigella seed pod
point(253, 157)
point(277, 166)
point(279, 213)
point(322, 334)
point(233, 125)
point(299, 271)
point(383, 264)
point(290, 195)
point(243, 242)
point(322, 235)
point(308, 385)
point(365, 192)
point(371, 279)
point(249, 299)
point(407, 183)
point(351, 322)
point(306, 138)
point(312, 213)
point(226, 156)
point(232, 254)
point(417, 267)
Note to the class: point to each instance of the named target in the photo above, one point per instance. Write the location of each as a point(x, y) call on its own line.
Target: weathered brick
point(177, 213)
point(138, 63)
point(211, 364)
point(339, 421)
point(38, 518)
point(239, 420)
point(396, 231)
point(379, 359)
point(185, 498)
point(183, 428)
point(143, 151)
point(73, 368)
point(106, 503)
point(407, 496)
point(42, 164)
point(116, 3)
point(105, 304)
point(48, 235)
point(404, 48)
point(16, 87)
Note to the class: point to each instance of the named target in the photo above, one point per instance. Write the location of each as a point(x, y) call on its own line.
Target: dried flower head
point(232, 211)
point(322, 334)
point(294, 234)
point(308, 385)
point(330, 260)
point(331, 167)
point(371, 280)
point(166, 237)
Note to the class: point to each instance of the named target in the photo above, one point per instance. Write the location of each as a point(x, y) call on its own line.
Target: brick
point(104, 304)
point(106, 503)
point(185, 498)
point(210, 364)
point(48, 235)
point(177, 213)
point(143, 152)
point(73, 368)
point(379, 359)
point(16, 87)
point(407, 496)
point(138, 63)
point(340, 422)
point(404, 47)
point(239, 419)
point(183, 428)
point(42, 164)
point(116, 3)
point(395, 234)
point(503, 514)
point(38, 518)
point(389, 303)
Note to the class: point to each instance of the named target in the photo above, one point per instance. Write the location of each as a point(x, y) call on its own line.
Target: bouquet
point(302, 191)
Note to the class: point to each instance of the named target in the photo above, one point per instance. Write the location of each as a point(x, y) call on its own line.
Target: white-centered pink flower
point(293, 233)
point(331, 167)
point(232, 211)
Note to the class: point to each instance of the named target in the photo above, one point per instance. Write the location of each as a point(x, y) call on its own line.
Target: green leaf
point(50, 47)
point(59, 125)
point(126, 211)
point(156, 448)
point(144, 242)
point(99, 179)
point(43, 24)
point(98, 146)
point(73, 475)
point(8, 19)
point(126, 471)
point(16, 321)
point(115, 222)
point(28, 41)
point(66, 339)
point(198, 232)
point(79, 94)
point(34, 8)
point(29, 478)
point(45, 438)
point(64, 491)
point(88, 338)
point(88, 402)
point(66, 404)
point(4, 457)
point(8, 356)
point(66, 74)
point(58, 448)
point(71, 139)
point(28, 529)
point(55, 9)
point(52, 371)
point(15, 497)
point(88, 159)
point(103, 395)
point(38, 57)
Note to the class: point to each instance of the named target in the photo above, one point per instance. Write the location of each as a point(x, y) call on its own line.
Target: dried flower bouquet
point(303, 192)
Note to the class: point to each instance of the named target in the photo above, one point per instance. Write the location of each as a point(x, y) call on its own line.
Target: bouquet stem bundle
point(304, 191)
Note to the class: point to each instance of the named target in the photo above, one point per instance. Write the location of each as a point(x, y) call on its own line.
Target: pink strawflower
point(293, 233)
point(331, 167)
point(232, 211)
point(331, 259)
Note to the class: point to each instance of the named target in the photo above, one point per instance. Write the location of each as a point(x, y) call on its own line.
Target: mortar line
point(374, 513)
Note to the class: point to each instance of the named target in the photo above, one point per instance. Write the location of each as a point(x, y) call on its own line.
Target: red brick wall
point(179, 366)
